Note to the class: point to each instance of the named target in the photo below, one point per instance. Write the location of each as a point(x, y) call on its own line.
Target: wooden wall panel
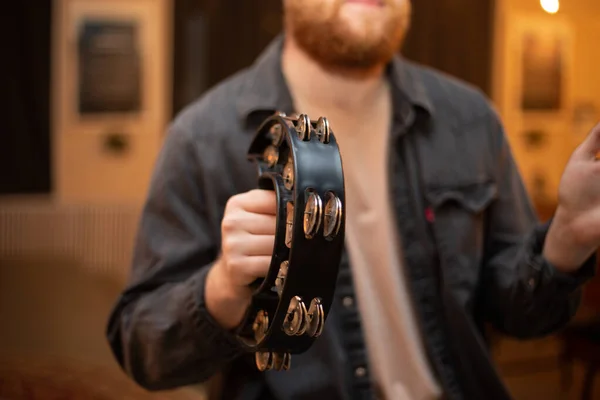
point(455, 36)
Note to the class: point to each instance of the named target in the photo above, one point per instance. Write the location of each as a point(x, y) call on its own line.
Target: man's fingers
point(590, 147)
point(259, 245)
point(258, 224)
point(259, 201)
point(248, 245)
point(247, 269)
point(257, 266)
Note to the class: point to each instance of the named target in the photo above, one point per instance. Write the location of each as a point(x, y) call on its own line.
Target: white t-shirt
point(397, 359)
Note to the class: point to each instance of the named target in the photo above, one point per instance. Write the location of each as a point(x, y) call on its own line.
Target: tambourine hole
point(266, 183)
point(284, 153)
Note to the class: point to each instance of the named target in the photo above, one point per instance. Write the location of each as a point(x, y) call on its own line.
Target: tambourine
point(300, 161)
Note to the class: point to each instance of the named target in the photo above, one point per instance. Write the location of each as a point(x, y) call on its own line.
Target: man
point(441, 237)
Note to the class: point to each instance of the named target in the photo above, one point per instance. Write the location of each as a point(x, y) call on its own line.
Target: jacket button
point(360, 372)
point(348, 301)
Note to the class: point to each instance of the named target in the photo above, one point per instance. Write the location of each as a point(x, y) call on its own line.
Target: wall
point(83, 171)
point(577, 21)
point(434, 40)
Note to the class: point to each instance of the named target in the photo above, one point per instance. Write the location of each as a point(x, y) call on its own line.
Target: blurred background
point(89, 87)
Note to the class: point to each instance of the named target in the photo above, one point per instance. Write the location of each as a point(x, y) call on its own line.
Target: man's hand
point(575, 231)
point(248, 236)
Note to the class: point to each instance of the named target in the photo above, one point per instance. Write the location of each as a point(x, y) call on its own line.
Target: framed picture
point(110, 66)
point(543, 71)
point(544, 56)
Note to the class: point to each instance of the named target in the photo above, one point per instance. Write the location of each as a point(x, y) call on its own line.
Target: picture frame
point(110, 66)
point(544, 58)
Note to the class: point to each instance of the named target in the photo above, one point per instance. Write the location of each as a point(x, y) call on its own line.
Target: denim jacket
point(471, 241)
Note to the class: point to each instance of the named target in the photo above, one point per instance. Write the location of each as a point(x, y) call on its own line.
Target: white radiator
point(98, 237)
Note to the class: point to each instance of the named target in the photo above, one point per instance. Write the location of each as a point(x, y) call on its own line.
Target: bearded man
point(441, 237)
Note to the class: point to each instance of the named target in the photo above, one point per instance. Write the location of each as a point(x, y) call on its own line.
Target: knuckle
point(229, 246)
point(232, 203)
point(235, 265)
point(228, 224)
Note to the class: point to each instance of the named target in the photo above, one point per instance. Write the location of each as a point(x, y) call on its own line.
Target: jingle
point(287, 361)
point(271, 155)
point(281, 361)
point(296, 318)
point(288, 174)
point(323, 130)
point(260, 326)
point(312, 215)
point(303, 127)
point(278, 360)
point(281, 275)
point(316, 318)
point(289, 224)
point(264, 360)
point(332, 216)
point(276, 133)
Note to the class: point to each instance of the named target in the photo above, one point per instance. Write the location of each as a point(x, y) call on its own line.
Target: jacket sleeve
point(160, 331)
point(524, 295)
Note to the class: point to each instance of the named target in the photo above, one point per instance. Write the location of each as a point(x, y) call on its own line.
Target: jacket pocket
point(459, 226)
point(473, 198)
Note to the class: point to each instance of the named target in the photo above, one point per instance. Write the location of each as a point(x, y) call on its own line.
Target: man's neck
point(353, 91)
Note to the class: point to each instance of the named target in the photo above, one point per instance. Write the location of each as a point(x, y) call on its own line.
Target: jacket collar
point(265, 90)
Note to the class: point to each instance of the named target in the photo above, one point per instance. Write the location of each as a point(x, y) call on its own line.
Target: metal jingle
point(264, 360)
point(287, 361)
point(288, 174)
point(316, 318)
point(278, 361)
point(312, 215)
point(323, 132)
point(281, 275)
point(260, 325)
point(271, 155)
point(276, 133)
point(332, 216)
point(303, 127)
point(289, 224)
point(302, 313)
point(295, 322)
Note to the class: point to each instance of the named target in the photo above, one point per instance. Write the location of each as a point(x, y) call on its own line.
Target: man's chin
point(351, 59)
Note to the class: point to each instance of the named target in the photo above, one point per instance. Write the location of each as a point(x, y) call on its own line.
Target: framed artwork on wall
point(542, 71)
point(110, 66)
point(544, 63)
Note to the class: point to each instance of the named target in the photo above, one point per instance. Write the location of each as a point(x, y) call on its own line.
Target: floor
point(52, 345)
point(531, 370)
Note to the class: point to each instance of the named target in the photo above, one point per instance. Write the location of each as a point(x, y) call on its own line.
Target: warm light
point(550, 6)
